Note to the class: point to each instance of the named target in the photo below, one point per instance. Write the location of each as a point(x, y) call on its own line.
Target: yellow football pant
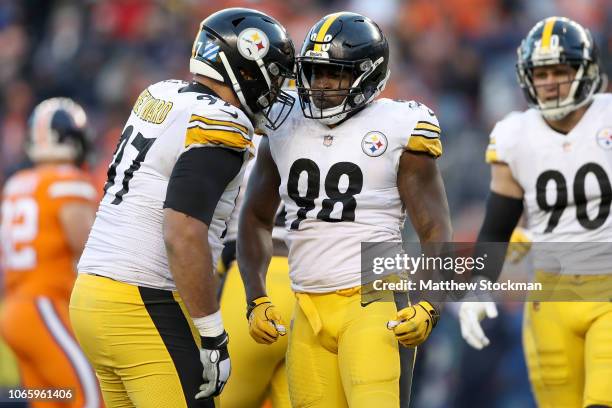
point(141, 342)
point(568, 348)
point(258, 370)
point(341, 354)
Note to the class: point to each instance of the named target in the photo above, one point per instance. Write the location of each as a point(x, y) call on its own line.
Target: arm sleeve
point(199, 178)
point(502, 215)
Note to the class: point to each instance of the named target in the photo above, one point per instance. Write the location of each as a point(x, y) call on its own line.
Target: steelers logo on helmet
point(374, 144)
point(253, 44)
point(604, 138)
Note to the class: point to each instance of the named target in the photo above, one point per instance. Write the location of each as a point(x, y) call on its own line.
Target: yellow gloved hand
point(414, 323)
point(265, 322)
point(520, 244)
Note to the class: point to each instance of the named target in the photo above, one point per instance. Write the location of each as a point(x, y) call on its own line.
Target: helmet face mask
point(342, 67)
point(275, 104)
point(330, 89)
point(252, 53)
point(553, 85)
point(57, 132)
point(330, 83)
point(558, 44)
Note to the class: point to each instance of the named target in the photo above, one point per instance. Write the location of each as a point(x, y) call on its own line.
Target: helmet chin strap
point(236, 85)
point(258, 119)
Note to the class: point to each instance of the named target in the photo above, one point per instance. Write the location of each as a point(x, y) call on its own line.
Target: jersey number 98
point(332, 190)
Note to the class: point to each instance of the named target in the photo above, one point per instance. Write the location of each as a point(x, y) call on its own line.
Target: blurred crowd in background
point(456, 56)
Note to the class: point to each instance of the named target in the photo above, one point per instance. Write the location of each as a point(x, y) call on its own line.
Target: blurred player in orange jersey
point(47, 212)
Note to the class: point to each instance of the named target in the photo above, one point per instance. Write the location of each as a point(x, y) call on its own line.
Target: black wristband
point(215, 343)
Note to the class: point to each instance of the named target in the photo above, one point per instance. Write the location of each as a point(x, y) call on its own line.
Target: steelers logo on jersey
point(374, 144)
point(253, 44)
point(604, 138)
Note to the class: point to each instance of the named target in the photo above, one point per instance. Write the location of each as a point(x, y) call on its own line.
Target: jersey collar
point(199, 88)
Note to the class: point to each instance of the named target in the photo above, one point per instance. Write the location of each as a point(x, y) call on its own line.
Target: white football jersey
point(566, 178)
point(339, 186)
point(232, 223)
point(126, 241)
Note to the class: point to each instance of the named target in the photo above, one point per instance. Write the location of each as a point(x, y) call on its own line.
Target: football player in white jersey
point(347, 167)
point(248, 387)
point(554, 161)
point(145, 306)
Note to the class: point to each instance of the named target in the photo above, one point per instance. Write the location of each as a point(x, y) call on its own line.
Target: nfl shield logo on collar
point(328, 140)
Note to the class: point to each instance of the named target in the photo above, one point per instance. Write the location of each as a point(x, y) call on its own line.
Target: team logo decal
point(374, 144)
point(604, 138)
point(253, 44)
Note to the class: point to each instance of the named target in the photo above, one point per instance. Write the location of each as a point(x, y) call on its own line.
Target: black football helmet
point(559, 40)
point(251, 52)
point(348, 43)
point(57, 132)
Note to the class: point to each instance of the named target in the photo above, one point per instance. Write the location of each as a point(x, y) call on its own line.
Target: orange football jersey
point(36, 256)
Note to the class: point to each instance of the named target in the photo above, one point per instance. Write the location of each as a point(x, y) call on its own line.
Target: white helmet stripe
point(235, 84)
point(264, 71)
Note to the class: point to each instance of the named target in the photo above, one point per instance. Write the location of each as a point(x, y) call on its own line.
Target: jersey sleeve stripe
point(420, 144)
point(217, 127)
point(426, 133)
point(198, 135)
point(227, 123)
point(427, 126)
point(491, 156)
point(80, 189)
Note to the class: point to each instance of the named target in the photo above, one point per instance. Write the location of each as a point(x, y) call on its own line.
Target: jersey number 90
point(580, 199)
